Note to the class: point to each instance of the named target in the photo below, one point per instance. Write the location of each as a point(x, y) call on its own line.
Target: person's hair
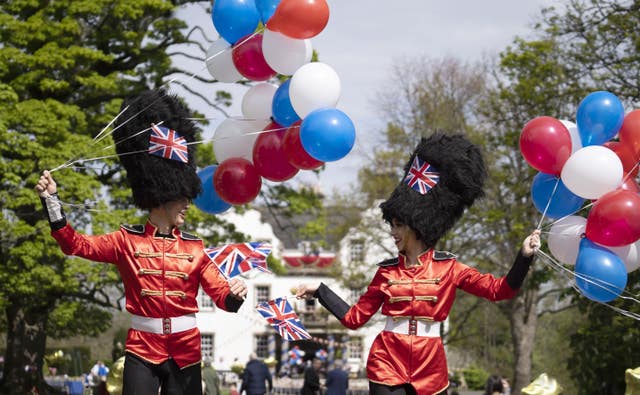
point(494, 384)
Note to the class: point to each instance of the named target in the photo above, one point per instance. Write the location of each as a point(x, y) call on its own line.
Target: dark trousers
point(402, 389)
point(144, 378)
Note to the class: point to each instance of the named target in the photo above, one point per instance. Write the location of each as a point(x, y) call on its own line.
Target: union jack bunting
point(422, 176)
point(235, 259)
point(168, 144)
point(283, 319)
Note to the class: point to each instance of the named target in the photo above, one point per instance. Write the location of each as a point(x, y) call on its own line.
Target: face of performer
point(176, 211)
point(403, 235)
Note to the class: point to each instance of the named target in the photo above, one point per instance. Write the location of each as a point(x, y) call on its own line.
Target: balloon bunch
point(284, 129)
point(580, 161)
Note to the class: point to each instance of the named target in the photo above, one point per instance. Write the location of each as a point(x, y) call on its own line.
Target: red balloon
point(269, 157)
point(248, 58)
point(614, 219)
point(545, 144)
point(626, 155)
point(629, 132)
point(237, 181)
point(300, 18)
point(631, 185)
point(295, 152)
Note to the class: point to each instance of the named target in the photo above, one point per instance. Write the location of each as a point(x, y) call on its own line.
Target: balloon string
point(568, 215)
point(555, 265)
point(628, 174)
point(69, 164)
point(544, 213)
point(102, 135)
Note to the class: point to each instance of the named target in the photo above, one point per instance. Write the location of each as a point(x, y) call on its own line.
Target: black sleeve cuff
point(519, 270)
point(331, 301)
point(53, 211)
point(232, 304)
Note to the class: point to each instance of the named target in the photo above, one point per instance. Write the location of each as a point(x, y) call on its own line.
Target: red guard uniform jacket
point(424, 292)
point(161, 278)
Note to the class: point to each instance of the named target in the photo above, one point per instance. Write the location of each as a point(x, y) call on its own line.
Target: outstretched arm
point(520, 267)
point(327, 298)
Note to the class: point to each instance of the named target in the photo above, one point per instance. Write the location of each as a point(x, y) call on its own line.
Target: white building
point(230, 338)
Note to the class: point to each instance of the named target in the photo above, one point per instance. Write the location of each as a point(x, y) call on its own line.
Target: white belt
point(407, 326)
point(163, 325)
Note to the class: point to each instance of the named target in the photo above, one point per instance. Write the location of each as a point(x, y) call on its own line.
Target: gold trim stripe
point(395, 299)
point(427, 298)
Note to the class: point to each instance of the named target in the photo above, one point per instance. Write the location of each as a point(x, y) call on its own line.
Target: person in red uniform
point(161, 267)
point(416, 290)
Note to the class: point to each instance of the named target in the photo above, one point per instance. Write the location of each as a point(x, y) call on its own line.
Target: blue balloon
point(281, 108)
point(600, 273)
point(599, 117)
point(208, 200)
point(266, 8)
point(327, 134)
point(234, 19)
point(563, 201)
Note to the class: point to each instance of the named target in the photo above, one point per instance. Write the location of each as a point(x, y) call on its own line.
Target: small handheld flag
point(235, 259)
point(283, 319)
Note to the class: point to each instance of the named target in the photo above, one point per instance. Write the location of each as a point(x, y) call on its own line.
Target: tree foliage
point(64, 68)
point(599, 49)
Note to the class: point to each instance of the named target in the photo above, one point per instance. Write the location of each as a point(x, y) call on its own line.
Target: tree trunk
point(26, 341)
point(524, 319)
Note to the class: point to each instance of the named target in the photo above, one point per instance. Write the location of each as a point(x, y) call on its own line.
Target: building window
point(207, 345)
point(262, 293)
point(262, 346)
point(356, 251)
point(355, 347)
point(204, 301)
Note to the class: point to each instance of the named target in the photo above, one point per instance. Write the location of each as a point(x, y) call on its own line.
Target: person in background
point(494, 386)
point(233, 389)
point(337, 380)
point(416, 290)
point(311, 384)
point(210, 378)
point(161, 267)
point(506, 388)
point(256, 378)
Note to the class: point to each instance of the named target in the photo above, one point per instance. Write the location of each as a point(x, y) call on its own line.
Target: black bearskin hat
point(461, 177)
point(155, 180)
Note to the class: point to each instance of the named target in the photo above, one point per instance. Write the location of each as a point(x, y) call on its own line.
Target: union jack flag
point(422, 176)
point(168, 144)
point(235, 259)
point(283, 319)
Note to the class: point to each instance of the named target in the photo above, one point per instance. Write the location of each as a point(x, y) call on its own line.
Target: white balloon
point(234, 137)
point(592, 171)
point(220, 63)
point(285, 54)
point(576, 141)
point(313, 86)
point(564, 238)
point(256, 102)
point(628, 254)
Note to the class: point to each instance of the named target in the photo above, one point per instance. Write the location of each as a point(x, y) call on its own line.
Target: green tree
point(64, 68)
point(600, 52)
point(527, 81)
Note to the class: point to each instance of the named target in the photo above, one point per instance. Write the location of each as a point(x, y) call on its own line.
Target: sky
point(364, 38)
